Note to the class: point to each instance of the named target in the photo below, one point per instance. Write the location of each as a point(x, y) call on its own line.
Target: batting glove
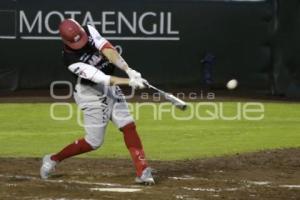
point(137, 83)
point(132, 74)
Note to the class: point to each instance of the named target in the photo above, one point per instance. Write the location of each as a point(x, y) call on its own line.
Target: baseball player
point(92, 59)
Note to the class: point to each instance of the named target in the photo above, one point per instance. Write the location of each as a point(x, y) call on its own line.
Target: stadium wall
point(166, 40)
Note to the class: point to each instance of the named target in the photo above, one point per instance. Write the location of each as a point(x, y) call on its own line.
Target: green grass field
point(27, 130)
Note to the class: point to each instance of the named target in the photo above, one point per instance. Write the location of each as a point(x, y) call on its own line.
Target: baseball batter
point(92, 59)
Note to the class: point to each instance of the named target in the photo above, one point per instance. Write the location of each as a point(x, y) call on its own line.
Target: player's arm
point(91, 73)
point(111, 53)
point(114, 57)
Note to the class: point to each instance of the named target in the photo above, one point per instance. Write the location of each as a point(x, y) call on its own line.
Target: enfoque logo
point(203, 111)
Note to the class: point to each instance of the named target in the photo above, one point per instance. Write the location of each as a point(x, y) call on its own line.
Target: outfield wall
point(164, 39)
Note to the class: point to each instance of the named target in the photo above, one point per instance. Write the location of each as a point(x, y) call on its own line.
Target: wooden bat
point(170, 97)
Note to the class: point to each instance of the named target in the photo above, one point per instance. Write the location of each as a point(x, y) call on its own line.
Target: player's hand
point(145, 82)
point(137, 83)
point(132, 74)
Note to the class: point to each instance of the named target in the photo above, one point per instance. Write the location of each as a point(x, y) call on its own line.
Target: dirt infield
point(264, 175)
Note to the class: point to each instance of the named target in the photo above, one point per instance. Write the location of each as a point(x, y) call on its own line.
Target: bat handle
point(147, 84)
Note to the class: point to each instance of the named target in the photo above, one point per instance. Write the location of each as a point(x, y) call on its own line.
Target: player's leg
point(122, 118)
point(95, 123)
point(96, 117)
point(135, 147)
point(50, 161)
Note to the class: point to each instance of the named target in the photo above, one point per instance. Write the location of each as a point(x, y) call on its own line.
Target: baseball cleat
point(48, 167)
point(146, 177)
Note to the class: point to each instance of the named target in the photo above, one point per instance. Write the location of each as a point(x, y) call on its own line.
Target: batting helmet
point(72, 34)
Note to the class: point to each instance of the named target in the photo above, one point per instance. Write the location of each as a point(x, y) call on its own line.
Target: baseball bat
point(174, 100)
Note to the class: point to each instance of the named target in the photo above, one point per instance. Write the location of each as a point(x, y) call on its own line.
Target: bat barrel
point(176, 101)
